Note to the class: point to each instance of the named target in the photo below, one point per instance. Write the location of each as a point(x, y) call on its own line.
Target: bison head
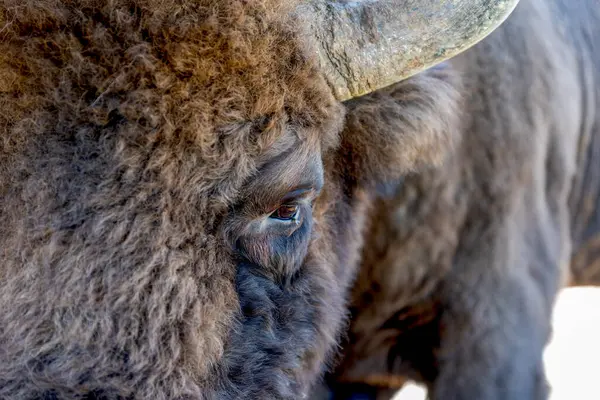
point(182, 196)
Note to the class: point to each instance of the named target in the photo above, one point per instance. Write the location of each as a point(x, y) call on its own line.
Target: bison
point(198, 194)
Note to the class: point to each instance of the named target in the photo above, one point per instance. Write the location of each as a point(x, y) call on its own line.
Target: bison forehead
point(222, 78)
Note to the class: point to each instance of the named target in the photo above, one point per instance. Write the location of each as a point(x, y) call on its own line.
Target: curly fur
point(141, 140)
point(129, 127)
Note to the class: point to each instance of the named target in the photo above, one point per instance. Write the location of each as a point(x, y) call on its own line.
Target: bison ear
point(401, 128)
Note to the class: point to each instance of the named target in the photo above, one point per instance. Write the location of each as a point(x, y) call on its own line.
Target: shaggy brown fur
point(463, 262)
point(144, 145)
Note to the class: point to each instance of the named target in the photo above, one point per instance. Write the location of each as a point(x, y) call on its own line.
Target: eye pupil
point(285, 212)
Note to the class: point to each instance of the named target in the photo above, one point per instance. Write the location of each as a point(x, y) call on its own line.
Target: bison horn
point(365, 45)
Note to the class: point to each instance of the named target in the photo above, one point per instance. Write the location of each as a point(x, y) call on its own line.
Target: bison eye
point(286, 212)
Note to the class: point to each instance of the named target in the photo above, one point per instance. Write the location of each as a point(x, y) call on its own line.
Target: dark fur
point(142, 140)
point(463, 263)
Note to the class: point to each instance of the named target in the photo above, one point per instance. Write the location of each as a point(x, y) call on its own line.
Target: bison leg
point(480, 331)
point(496, 307)
point(358, 392)
point(492, 342)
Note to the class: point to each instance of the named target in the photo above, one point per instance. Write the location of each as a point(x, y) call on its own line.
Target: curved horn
point(365, 45)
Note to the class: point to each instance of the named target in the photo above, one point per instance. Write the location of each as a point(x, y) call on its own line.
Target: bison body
point(463, 262)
